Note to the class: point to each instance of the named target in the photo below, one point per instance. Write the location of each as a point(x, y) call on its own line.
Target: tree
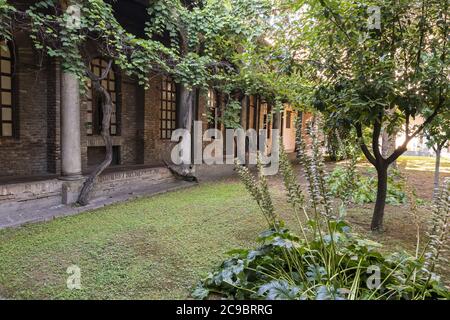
point(374, 63)
point(437, 133)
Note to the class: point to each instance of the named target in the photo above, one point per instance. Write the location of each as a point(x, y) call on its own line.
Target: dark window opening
point(251, 115)
point(213, 108)
point(265, 118)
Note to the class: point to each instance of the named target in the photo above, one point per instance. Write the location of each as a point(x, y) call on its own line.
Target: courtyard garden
point(160, 247)
point(332, 94)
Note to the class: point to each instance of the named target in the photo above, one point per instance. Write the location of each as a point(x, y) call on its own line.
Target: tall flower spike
point(319, 169)
point(439, 229)
point(294, 191)
point(259, 191)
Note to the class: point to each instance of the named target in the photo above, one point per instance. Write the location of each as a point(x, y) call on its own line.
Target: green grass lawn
point(159, 247)
point(155, 248)
point(424, 163)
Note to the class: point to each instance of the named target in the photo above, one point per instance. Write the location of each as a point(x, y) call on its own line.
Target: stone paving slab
point(19, 218)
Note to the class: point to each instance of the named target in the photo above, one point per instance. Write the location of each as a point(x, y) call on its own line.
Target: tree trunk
point(378, 213)
point(436, 171)
point(388, 146)
point(83, 198)
point(388, 140)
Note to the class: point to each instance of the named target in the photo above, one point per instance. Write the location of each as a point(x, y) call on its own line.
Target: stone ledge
point(67, 210)
point(19, 199)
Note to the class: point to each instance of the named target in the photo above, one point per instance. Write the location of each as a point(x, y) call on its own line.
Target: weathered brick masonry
point(27, 153)
point(36, 148)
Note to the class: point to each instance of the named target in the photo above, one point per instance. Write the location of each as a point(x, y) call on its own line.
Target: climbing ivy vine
point(207, 36)
point(6, 14)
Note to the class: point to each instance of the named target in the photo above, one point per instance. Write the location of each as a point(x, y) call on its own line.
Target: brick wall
point(202, 113)
point(36, 151)
point(53, 117)
point(155, 149)
point(27, 153)
point(131, 123)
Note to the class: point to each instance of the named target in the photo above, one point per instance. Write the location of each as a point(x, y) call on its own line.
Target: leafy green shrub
point(357, 188)
point(286, 267)
point(327, 260)
point(347, 184)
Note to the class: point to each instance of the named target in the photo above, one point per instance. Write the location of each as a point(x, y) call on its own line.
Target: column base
point(70, 191)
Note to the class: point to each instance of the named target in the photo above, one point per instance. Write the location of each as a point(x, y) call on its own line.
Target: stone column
point(70, 127)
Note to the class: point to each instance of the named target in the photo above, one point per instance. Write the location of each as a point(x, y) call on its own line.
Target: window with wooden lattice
point(168, 110)
point(6, 91)
point(94, 112)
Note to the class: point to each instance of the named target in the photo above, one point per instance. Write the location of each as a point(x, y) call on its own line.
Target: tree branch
point(397, 153)
point(363, 145)
point(400, 150)
point(421, 37)
point(376, 137)
point(407, 124)
point(104, 74)
point(336, 19)
point(429, 119)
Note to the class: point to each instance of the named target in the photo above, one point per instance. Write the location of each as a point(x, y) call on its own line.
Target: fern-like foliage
point(259, 190)
point(438, 232)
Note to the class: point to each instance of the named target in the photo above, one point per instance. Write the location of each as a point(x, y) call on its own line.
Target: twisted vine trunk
point(83, 198)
